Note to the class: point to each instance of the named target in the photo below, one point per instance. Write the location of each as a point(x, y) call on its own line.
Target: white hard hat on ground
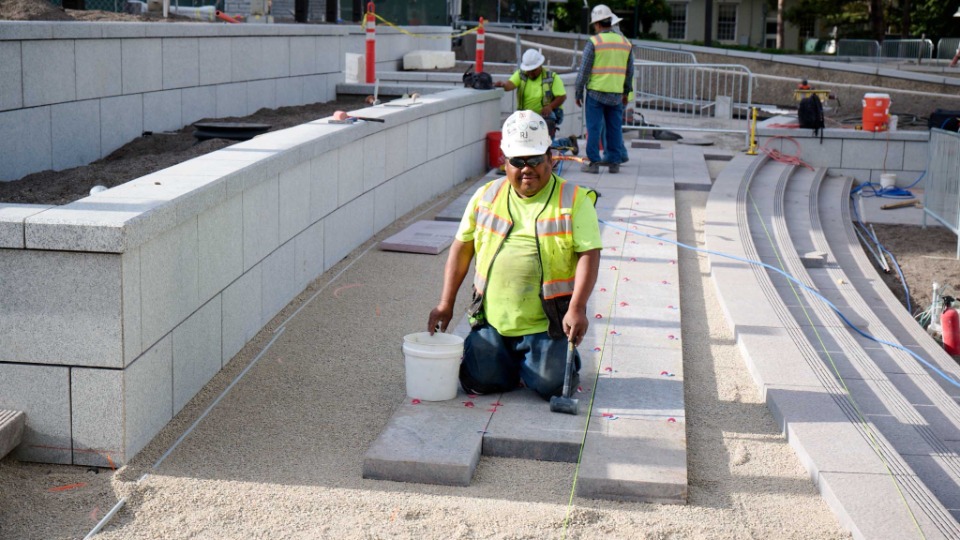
point(602, 12)
point(532, 59)
point(524, 134)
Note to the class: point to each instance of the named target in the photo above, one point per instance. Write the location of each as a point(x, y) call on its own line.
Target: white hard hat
point(532, 59)
point(524, 134)
point(602, 12)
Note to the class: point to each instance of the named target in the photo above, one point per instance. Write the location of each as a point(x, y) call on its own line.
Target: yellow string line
point(863, 421)
point(593, 395)
point(363, 22)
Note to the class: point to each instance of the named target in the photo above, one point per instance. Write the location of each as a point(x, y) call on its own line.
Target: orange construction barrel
point(876, 112)
point(495, 157)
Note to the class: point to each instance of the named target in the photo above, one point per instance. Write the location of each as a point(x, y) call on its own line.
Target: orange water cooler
point(876, 112)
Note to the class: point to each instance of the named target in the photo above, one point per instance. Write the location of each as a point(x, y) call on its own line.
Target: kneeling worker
point(537, 244)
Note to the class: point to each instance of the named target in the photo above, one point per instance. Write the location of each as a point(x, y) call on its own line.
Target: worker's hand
point(626, 99)
point(498, 84)
point(579, 104)
point(545, 111)
point(440, 318)
point(575, 324)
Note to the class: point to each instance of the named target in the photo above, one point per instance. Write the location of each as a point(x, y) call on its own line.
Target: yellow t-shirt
point(531, 90)
point(511, 303)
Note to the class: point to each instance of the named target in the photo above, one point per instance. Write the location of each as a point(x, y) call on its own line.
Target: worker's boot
point(614, 168)
point(592, 168)
point(575, 148)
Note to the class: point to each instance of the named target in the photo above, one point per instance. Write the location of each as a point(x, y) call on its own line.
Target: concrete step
point(11, 430)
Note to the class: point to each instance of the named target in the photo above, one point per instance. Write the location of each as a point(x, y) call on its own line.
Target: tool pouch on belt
point(556, 309)
point(475, 311)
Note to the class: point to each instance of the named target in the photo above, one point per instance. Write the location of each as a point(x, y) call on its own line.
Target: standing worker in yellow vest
point(604, 84)
point(537, 244)
point(541, 91)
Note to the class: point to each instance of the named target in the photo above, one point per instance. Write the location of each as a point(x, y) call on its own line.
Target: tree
point(647, 12)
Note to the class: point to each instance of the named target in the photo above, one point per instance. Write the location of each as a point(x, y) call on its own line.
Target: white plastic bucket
point(888, 180)
point(432, 365)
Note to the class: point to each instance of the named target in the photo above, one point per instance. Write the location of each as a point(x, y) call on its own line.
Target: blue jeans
point(493, 363)
point(604, 123)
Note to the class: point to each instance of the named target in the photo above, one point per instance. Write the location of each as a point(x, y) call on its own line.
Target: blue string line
point(936, 370)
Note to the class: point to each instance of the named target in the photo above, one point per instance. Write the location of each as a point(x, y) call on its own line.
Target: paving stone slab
point(634, 460)
point(524, 427)
point(651, 145)
point(425, 236)
point(428, 443)
point(11, 430)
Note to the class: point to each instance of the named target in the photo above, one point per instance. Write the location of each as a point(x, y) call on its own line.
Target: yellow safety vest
point(554, 229)
point(611, 54)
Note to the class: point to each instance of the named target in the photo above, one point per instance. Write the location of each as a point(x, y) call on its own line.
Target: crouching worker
point(536, 241)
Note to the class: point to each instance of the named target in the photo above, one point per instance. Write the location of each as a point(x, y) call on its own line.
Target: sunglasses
point(533, 161)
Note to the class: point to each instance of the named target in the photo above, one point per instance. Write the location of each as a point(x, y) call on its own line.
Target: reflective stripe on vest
point(554, 236)
point(547, 87)
point(609, 71)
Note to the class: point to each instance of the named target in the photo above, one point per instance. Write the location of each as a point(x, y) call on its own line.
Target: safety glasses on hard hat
point(532, 161)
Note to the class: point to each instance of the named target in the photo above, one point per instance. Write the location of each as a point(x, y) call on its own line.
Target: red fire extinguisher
point(950, 322)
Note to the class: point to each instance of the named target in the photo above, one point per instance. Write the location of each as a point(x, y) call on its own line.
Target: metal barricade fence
point(645, 53)
point(941, 193)
point(858, 48)
point(907, 48)
point(692, 97)
point(947, 47)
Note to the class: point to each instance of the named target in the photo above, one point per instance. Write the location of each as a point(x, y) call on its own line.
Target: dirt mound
point(32, 10)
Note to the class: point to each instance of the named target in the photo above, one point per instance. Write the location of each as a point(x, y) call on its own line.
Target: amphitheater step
point(11, 430)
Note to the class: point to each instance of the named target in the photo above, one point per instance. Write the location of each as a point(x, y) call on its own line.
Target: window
point(677, 28)
point(727, 22)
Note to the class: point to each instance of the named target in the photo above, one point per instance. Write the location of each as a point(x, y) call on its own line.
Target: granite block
point(169, 280)
point(98, 68)
point(453, 130)
point(76, 130)
point(220, 235)
point(524, 427)
point(326, 62)
point(261, 221)
point(11, 76)
point(294, 200)
point(196, 352)
point(324, 182)
point(124, 116)
point(142, 68)
point(161, 111)
point(395, 151)
point(350, 172)
point(242, 308)
point(197, 103)
point(315, 89)
point(871, 155)
point(49, 72)
point(43, 394)
point(346, 228)
point(278, 281)
point(308, 255)
point(303, 55)
point(181, 62)
point(276, 55)
point(85, 328)
point(12, 217)
point(130, 306)
point(216, 59)
point(289, 91)
point(231, 100)
point(417, 142)
point(436, 136)
point(384, 206)
point(374, 160)
point(634, 460)
point(147, 396)
point(248, 62)
point(429, 444)
point(25, 142)
point(261, 95)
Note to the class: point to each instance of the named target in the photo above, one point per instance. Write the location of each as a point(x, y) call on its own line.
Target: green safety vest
point(554, 230)
point(611, 54)
point(546, 78)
